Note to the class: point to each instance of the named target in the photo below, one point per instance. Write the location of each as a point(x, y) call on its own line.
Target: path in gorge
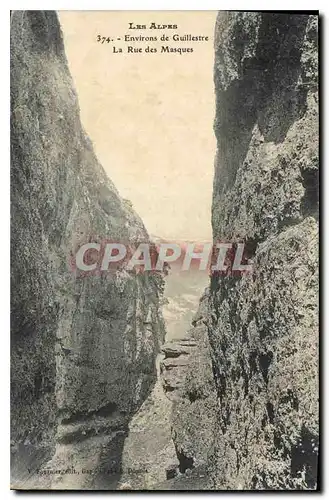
point(149, 449)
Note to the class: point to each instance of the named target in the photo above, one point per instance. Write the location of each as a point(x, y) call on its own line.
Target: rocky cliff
point(263, 330)
point(83, 347)
point(262, 327)
point(187, 380)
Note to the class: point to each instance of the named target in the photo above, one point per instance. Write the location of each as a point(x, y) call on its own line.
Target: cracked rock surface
point(188, 382)
point(263, 327)
point(83, 347)
point(260, 330)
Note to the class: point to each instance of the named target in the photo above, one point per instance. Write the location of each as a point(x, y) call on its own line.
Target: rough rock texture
point(83, 348)
point(149, 450)
point(262, 327)
point(188, 382)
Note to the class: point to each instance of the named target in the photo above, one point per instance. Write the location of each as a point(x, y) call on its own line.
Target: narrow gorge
point(115, 375)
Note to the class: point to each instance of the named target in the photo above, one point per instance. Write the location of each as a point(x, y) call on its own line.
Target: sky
point(149, 115)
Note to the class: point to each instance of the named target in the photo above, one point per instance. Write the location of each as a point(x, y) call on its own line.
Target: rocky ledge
point(188, 382)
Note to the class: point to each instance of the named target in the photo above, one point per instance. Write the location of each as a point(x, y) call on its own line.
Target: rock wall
point(263, 329)
point(259, 330)
point(187, 380)
point(83, 348)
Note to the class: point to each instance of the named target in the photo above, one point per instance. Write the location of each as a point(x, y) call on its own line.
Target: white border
point(167, 5)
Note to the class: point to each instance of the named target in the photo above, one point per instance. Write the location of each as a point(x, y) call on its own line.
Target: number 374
point(103, 39)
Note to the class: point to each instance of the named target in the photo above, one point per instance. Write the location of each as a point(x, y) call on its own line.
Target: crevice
point(270, 412)
point(310, 200)
point(104, 411)
point(304, 457)
point(185, 462)
point(264, 363)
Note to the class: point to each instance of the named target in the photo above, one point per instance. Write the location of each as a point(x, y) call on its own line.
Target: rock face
point(149, 450)
point(262, 327)
point(188, 382)
point(83, 347)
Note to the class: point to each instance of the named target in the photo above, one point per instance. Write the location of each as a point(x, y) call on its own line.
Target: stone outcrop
point(188, 382)
point(263, 329)
point(83, 347)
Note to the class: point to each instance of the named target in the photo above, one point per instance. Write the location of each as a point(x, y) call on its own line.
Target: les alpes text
point(154, 26)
